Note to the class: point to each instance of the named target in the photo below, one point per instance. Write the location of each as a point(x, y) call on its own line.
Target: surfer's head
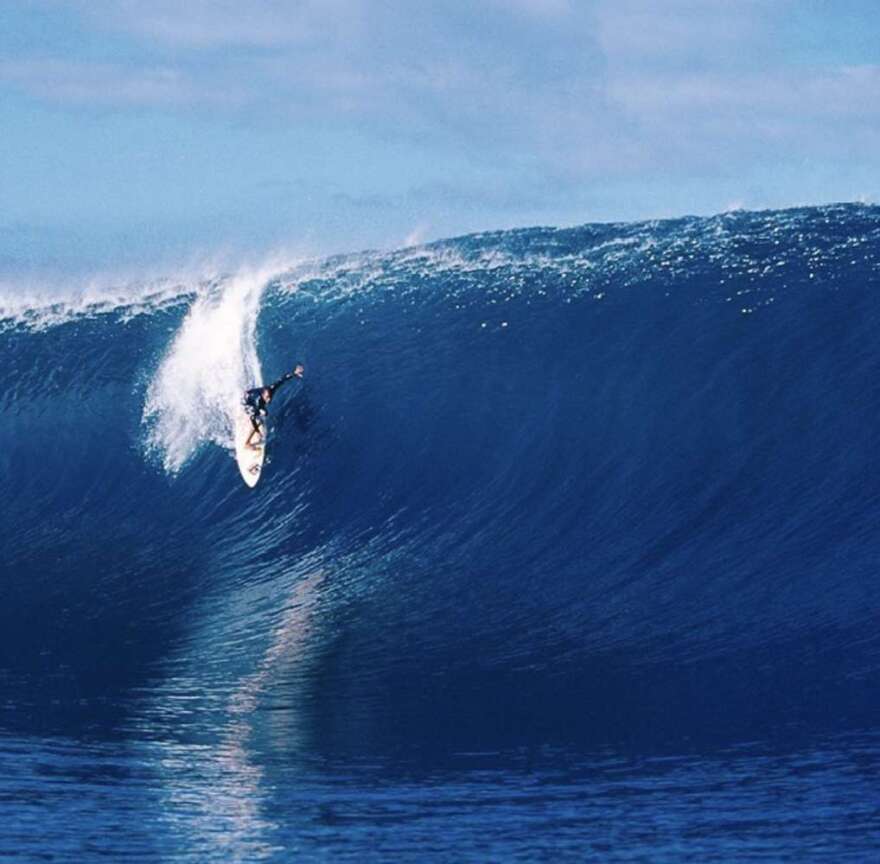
point(267, 394)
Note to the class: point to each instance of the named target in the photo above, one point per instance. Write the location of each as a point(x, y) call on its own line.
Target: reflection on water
point(221, 763)
point(103, 801)
point(217, 792)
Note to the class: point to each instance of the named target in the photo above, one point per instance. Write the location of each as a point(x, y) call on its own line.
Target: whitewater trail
point(212, 359)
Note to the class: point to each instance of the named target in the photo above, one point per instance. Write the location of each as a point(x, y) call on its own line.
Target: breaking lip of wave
point(41, 302)
point(618, 249)
point(37, 309)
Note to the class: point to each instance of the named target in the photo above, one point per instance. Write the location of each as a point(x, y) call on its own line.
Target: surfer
point(256, 404)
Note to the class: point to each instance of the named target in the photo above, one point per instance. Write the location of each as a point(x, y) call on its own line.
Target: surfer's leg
point(257, 430)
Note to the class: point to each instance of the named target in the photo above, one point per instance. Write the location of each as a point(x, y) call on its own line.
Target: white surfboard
point(250, 459)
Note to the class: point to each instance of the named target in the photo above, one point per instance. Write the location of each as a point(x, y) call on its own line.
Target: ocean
point(566, 549)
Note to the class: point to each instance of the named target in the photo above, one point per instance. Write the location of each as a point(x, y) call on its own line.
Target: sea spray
point(211, 361)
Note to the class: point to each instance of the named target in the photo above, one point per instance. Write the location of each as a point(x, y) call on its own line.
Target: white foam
point(210, 362)
point(40, 301)
point(38, 307)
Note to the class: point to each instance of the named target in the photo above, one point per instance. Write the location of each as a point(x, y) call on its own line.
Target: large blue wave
point(604, 483)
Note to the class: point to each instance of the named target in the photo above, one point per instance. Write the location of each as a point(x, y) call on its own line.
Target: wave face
point(604, 487)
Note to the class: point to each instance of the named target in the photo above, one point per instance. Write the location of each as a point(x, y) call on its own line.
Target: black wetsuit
point(254, 403)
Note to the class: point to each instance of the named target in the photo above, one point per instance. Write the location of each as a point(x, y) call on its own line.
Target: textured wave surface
point(608, 490)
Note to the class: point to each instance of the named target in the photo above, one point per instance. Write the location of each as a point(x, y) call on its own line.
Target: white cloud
point(202, 24)
point(678, 33)
point(538, 8)
point(577, 92)
point(112, 85)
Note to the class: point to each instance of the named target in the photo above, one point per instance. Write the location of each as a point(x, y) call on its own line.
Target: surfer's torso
point(255, 403)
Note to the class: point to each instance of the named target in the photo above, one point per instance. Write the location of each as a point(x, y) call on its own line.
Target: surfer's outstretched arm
point(297, 372)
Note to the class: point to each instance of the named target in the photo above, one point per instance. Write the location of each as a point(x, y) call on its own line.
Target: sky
point(138, 131)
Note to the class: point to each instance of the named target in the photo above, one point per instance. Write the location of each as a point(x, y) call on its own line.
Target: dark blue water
point(567, 547)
